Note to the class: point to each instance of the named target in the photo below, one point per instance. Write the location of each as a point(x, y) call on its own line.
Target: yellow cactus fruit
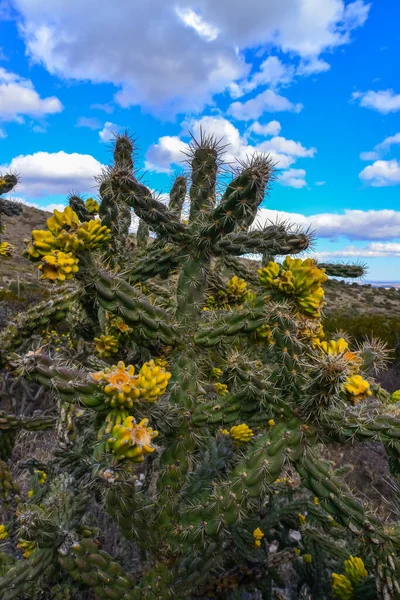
point(92, 206)
point(42, 476)
point(28, 547)
point(355, 569)
point(264, 332)
point(342, 587)
point(92, 234)
point(224, 432)
point(216, 373)
point(221, 389)
point(241, 433)
point(132, 440)
point(43, 242)
point(6, 249)
point(236, 290)
point(3, 532)
point(271, 423)
point(152, 381)
point(257, 536)
point(302, 518)
point(67, 219)
point(357, 388)
point(161, 362)
point(307, 558)
point(395, 397)
point(119, 324)
point(299, 279)
point(106, 345)
point(59, 266)
point(120, 384)
point(335, 347)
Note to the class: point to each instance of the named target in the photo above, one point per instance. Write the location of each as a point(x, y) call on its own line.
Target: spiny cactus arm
point(142, 234)
point(25, 573)
point(204, 156)
point(118, 297)
point(375, 428)
point(177, 196)
point(154, 213)
point(77, 204)
point(10, 208)
point(273, 239)
point(72, 385)
point(86, 564)
point(343, 270)
point(239, 203)
point(157, 261)
point(7, 183)
point(114, 211)
point(124, 151)
point(335, 498)
point(37, 422)
point(211, 514)
point(38, 316)
point(232, 324)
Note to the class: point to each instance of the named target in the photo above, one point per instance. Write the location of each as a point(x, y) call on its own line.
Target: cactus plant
point(214, 408)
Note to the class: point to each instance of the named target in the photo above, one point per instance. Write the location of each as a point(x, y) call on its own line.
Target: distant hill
point(351, 298)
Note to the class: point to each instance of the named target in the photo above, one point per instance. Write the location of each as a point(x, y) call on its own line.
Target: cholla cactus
point(214, 455)
point(9, 208)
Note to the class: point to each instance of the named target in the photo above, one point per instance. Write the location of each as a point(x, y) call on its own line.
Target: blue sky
point(313, 83)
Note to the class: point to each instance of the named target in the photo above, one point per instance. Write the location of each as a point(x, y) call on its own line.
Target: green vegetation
point(192, 398)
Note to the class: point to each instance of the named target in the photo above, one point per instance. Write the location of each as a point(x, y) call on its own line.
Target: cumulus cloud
point(388, 142)
point(373, 250)
point(271, 128)
point(89, 122)
point(320, 182)
point(185, 55)
point(372, 155)
point(18, 97)
point(169, 150)
point(109, 131)
point(293, 178)
point(267, 101)
point(272, 72)
point(382, 173)
point(44, 173)
point(312, 66)
point(352, 224)
point(108, 108)
point(3, 134)
point(383, 101)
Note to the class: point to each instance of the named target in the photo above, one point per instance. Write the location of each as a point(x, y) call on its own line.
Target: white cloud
point(109, 131)
point(293, 178)
point(312, 66)
point(272, 72)
point(161, 61)
point(320, 182)
point(169, 150)
point(192, 19)
point(3, 134)
point(384, 101)
point(382, 173)
point(372, 155)
point(105, 107)
point(47, 207)
point(281, 144)
point(391, 140)
point(373, 250)
point(89, 122)
point(353, 224)
point(18, 97)
point(44, 173)
point(271, 128)
point(267, 101)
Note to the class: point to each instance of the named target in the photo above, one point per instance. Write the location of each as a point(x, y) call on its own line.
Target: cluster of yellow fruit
point(221, 389)
point(298, 279)
point(27, 547)
point(132, 440)
point(59, 266)
point(65, 236)
point(355, 387)
point(123, 386)
point(343, 585)
point(106, 345)
point(257, 536)
point(57, 340)
point(92, 206)
point(3, 532)
point(233, 296)
point(6, 249)
point(239, 433)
